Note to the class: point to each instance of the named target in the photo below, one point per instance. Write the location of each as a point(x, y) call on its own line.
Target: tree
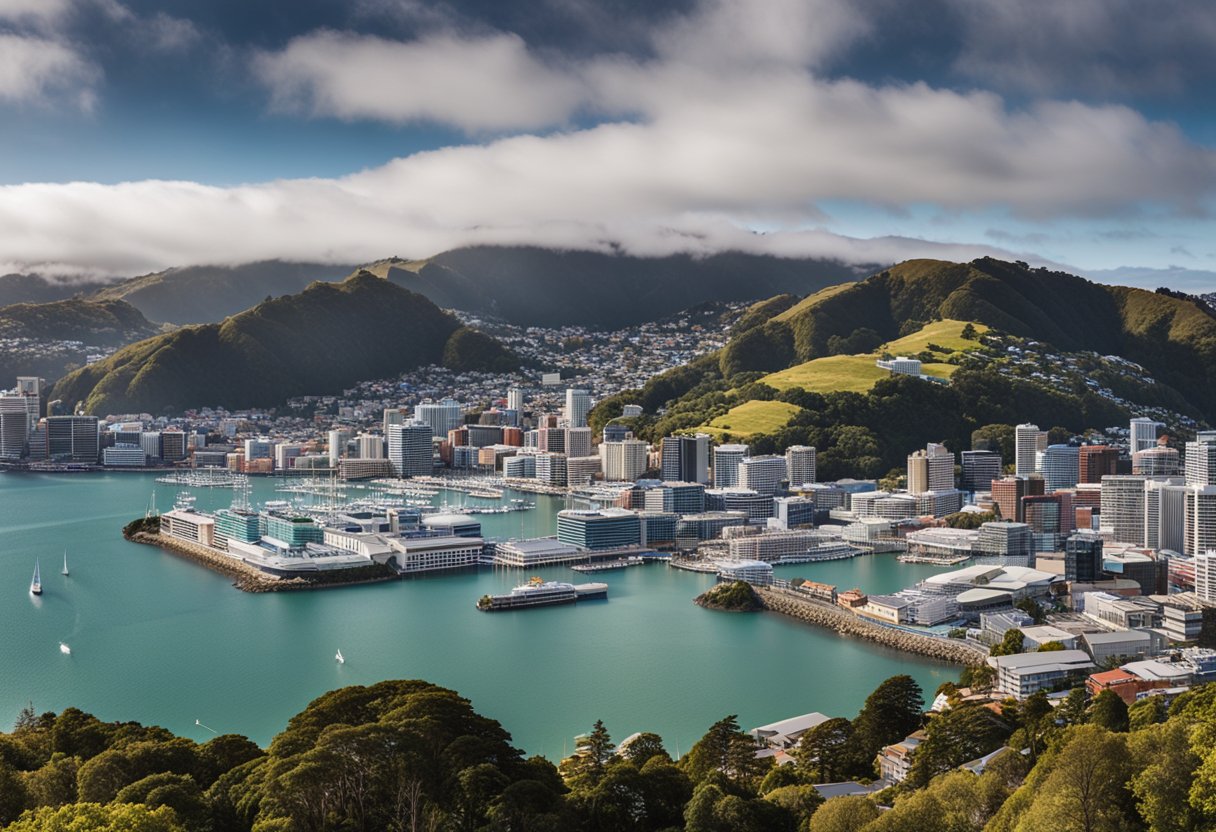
point(1032, 608)
point(1166, 764)
point(93, 817)
point(1086, 789)
point(1050, 647)
point(1012, 643)
point(977, 677)
point(1072, 710)
point(843, 814)
point(824, 752)
point(893, 711)
point(643, 747)
point(969, 332)
point(955, 737)
point(1036, 717)
point(728, 750)
point(591, 755)
point(1109, 711)
point(1145, 712)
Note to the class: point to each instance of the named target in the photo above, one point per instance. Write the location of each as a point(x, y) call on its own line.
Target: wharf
point(608, 565)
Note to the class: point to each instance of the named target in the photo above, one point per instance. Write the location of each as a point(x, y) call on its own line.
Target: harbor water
point(161, 640)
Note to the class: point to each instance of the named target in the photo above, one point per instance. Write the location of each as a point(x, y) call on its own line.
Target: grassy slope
point(751, 417)
point(858, 373)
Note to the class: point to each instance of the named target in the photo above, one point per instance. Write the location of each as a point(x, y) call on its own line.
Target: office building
point(1199, 518)
point(149, 440)
point(931, 470)
point(18, 416)
point(1011, 543)
point(623, 461)
point(1096, 462)
point(578, 405)
point(31, 386)
point(1123, 508)
point(1083, 558)
point(124, 455)
point(173, 445)
point(1164, 513)
point(794, 512)
point(726, 464)
point(519, 467)
point(757, 507)
point(286, 454)
point(258, 449)
point(392, 416)
point(1143, 434)
point(551, 440)
point(72, 439)
point(677, 497)
point(799, 464)
point(1028, 441)
point(608, 528)
point(515, 400)
point(762, 474)
point(686, 459)
point(1205, 575)
point(578, 441)
point(440, 417)
point(1007, 494)
point(410, 451)
point(1201, 459)
point(1060, 467)
point(581, 470)
point(980, 468)
point(1158, 461)
point(370, 445)
point(615, 432)
point(551, 468)
point(339, 438)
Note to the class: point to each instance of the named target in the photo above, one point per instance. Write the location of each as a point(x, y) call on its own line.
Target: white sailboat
point(64, 649)
point(65, 563)
point(339, 658)
point(36, 583)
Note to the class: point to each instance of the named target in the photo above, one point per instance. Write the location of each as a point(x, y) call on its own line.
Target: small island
point(737, 596)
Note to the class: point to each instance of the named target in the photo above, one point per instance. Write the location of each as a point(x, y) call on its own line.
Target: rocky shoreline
point(245, 577)
point(848, 624)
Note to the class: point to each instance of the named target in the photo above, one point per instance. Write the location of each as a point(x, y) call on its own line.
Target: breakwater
point(847, 624)
point(251, 579)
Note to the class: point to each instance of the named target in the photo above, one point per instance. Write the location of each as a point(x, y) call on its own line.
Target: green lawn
point(947, 333)
point(751, 417)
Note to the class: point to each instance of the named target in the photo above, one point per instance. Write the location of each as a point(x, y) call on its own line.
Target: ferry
point(541, 593)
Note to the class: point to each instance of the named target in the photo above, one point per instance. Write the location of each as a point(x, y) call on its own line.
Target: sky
point(136, 136)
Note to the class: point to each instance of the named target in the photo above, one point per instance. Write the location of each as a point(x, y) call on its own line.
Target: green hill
point(106, 323)
point(320, 341)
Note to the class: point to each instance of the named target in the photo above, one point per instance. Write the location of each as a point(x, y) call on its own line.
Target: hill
point(35, 288)
point(543, 287)
point(319, 341)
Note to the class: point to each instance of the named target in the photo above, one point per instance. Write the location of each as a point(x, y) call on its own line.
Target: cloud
point(36, 70)
point(33, 11)
point(480, 83)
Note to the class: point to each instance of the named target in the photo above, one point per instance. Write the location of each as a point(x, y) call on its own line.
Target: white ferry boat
point(540, 593)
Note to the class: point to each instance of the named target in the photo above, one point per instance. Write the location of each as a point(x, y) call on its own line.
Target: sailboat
point(36, 583)
point(65, 563)
point(339, 658)
point(64, 649)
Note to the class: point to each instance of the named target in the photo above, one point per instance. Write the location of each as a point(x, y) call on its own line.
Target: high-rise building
point(149, 440)
point(930, 470)
point(1158, 461)
point(173, 445)
point(762, 474)
point(371, 445)
point(1201, 459)
point(686, 459)
point(578, 405)
point(799, 464)
point(392, 416)
point(1123, 508)
point(726, 464)
point(551, 468)
point(441, 416)
point(1083, 558)
point(578, 442)
point(1097, 461)
point(623, 461)
point(72, 439)
point(339, 438)
point(1143, 434)
point(409, 449)
point(1199, 520)
point(980, 468)
point(1012, 543)
point(551, 440)
point(31, 386)
point(18, 416)
point(1205, 575)
point(1060, 467)
point(1164, 513)
point(1028, 441)
point(515, 400)
point(1007, 494)
point(258, 449)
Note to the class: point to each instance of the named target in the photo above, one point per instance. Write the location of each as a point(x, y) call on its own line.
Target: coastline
point(848, 624)
point(245, 577)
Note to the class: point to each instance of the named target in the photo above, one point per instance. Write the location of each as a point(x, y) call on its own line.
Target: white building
point(1143, 434)
point(410, 451)
point(762, 474)
point(799, 464)
point(901, 365)
point(1123, 508)
point(371, 446)
point(1060, 467)
point(1028, 441)
point(1024, 674)
point(624, 461)
point(1201, 459)
point(515, 400)
point(726, 464)
point(578, 405)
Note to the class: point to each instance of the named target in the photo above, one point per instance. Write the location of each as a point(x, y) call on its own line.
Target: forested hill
point(545, 287)
point(320, 341)
point(108, 323)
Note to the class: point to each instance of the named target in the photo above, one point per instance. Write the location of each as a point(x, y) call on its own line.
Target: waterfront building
point(551, 440)
point(149, 440)
point(603, 529)
point(173, 444)
point(578, 405)
point(939, 503)
point(794, 512)
point(678, 497)
point(521, 466)
point(581, 470)
point(353, 468)
point(544, 551)
point(658, 527)
point(258, 449)
point(1201, 459)
point(726, 464)
point(1199, 518)
point(236, 524)
point(1012, 543)
point(452, 525)
point(124, 455)
point(18, 416)
point(1123, 508)
point(794, 546)
point(885, 505)
point(1143, 434)
point(440, 417)
point(623, 460)
point(338, 439)
point(1096, 462)
point(294, 531)
point(931, 469)
point(685, 458)
point(285, 454)
point(1008, 492)
point(751, 571)
point(762, 474)
point(73, 439)
point(758, 507)
point(551, 469)
point(1083, 558)
point(980, 468)
point(1158, 461)
point(431, 554)
point(800, 464)
point(410, 450)
point(1028, 441)
point(708, 525)
point(1060, 467)
point(189, 526)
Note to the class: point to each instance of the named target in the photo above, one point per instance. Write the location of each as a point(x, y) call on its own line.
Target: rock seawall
point(848, 624)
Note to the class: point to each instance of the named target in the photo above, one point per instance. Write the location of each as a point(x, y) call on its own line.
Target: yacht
point(36, 583)
point(340, 659)
point(65, 563)
point(64, 649)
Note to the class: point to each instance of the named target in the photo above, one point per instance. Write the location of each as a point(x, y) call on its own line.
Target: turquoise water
point(161, 640)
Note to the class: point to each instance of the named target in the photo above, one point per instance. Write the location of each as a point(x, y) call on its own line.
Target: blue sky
point(141, 135)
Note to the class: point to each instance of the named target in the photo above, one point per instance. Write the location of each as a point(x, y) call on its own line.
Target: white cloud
point(481, 83)
point(33, 11)
point(34, 69)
